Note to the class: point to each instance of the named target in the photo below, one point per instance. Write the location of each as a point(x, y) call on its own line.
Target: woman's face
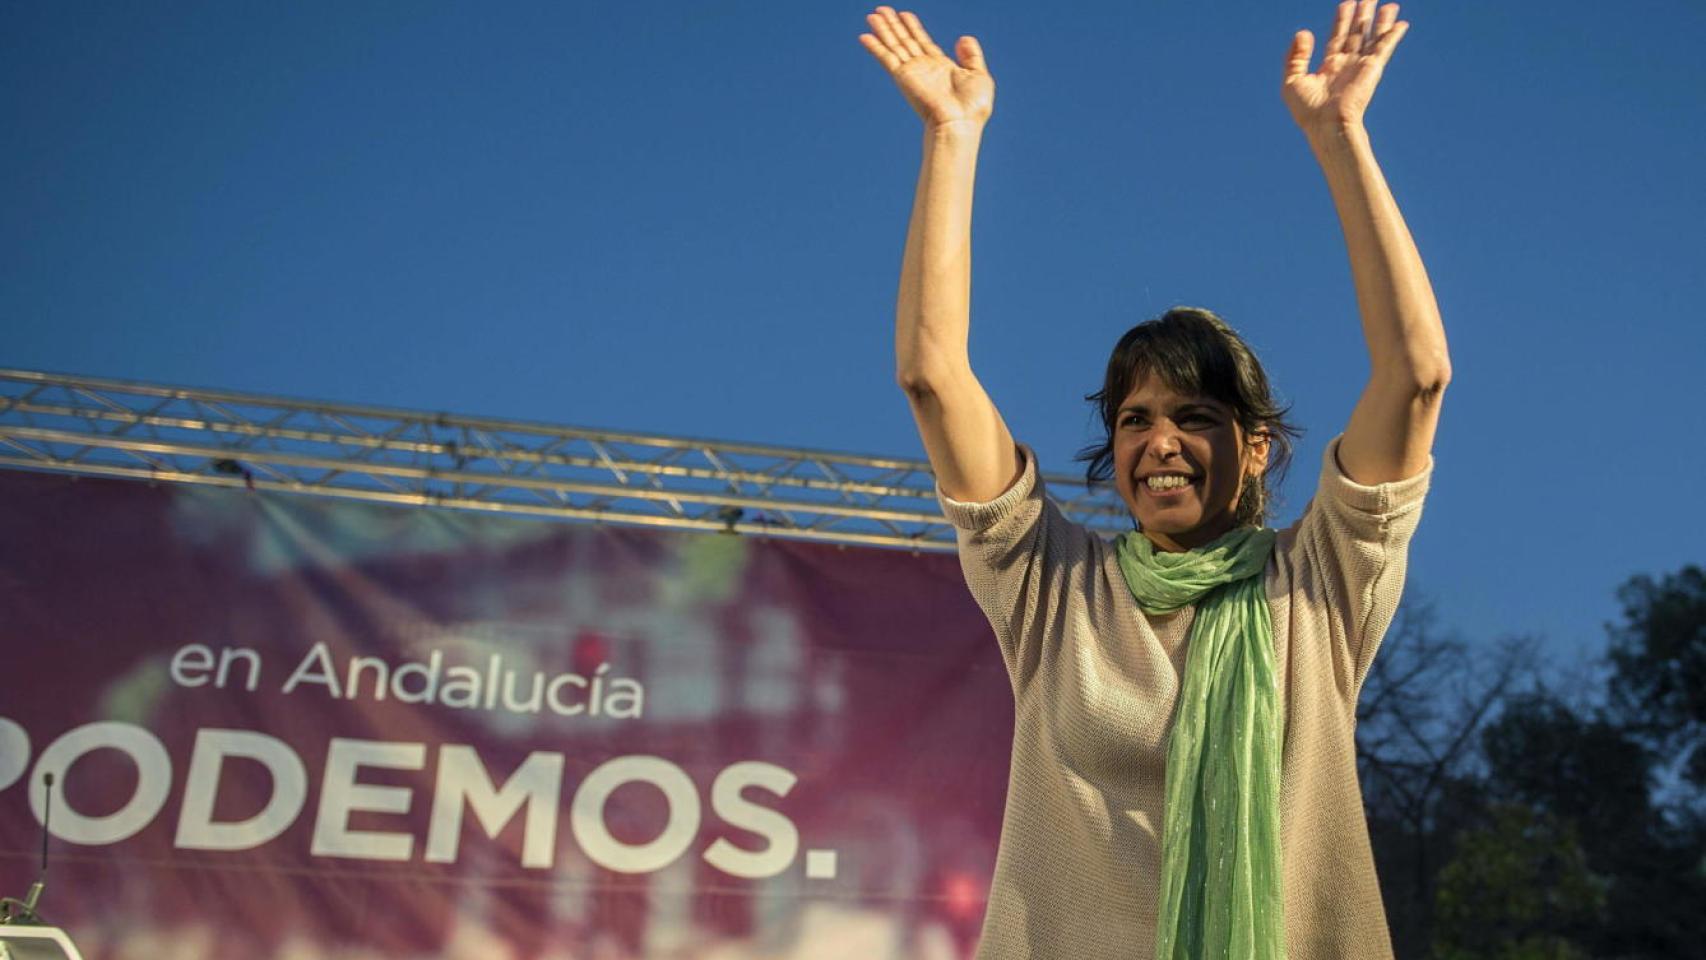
point(1180, 462)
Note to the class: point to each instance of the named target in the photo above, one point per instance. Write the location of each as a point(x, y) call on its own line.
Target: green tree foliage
point(1544, 754)
point(1659, 657)
point(1593, 779)
point(1570, 849)
point(1519, 889)
point(1511, 826)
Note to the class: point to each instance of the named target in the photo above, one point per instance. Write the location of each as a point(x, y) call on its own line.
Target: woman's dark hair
point(1194, 352)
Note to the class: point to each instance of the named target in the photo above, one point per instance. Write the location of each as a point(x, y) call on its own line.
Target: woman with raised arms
point(1183, 770)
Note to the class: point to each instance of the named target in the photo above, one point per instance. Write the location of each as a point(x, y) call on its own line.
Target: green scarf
point(1220, 845)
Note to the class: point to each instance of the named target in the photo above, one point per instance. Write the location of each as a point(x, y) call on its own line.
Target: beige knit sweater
point(1094, 683)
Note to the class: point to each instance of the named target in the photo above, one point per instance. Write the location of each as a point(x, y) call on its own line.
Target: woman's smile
point(1165, 486)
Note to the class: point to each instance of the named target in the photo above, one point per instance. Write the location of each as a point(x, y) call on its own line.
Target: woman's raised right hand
point(942, 91)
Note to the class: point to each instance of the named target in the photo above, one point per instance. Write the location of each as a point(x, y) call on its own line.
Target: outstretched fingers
point(883, 42)
point(1388, 17)
point(898, 38)
point(1389, 40)
point(1361, 37)
point(890, 62)
point(910, 21)
point(1363, 28)
point(898, 34)
point(1341, 28)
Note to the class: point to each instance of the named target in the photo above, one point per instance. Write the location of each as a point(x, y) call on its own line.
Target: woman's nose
point(1164, 443)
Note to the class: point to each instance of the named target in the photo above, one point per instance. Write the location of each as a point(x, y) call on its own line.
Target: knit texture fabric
point(1095, 682)
point(1220, 856)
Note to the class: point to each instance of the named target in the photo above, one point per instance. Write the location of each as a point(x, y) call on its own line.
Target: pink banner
point(298, 729)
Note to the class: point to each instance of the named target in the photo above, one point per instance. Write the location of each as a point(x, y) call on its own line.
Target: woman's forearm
point(1400, 317)
point(970, 448)
point(1391, 430)
point(933, 307)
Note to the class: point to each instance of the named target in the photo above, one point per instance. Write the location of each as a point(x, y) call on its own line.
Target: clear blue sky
point(686, 218)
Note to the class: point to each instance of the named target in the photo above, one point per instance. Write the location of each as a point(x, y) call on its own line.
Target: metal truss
point(115, 428)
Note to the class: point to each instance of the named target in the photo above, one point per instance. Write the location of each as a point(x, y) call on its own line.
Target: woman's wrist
point(954, 132)
point(1335, 136)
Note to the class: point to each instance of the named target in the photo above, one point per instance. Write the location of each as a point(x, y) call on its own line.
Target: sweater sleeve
point(1011, 548)
point(1353, 541)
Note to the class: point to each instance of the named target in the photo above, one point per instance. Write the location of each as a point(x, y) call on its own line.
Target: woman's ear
point(1260, 445)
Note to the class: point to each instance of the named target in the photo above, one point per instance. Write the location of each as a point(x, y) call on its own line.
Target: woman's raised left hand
point(1336, 95)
